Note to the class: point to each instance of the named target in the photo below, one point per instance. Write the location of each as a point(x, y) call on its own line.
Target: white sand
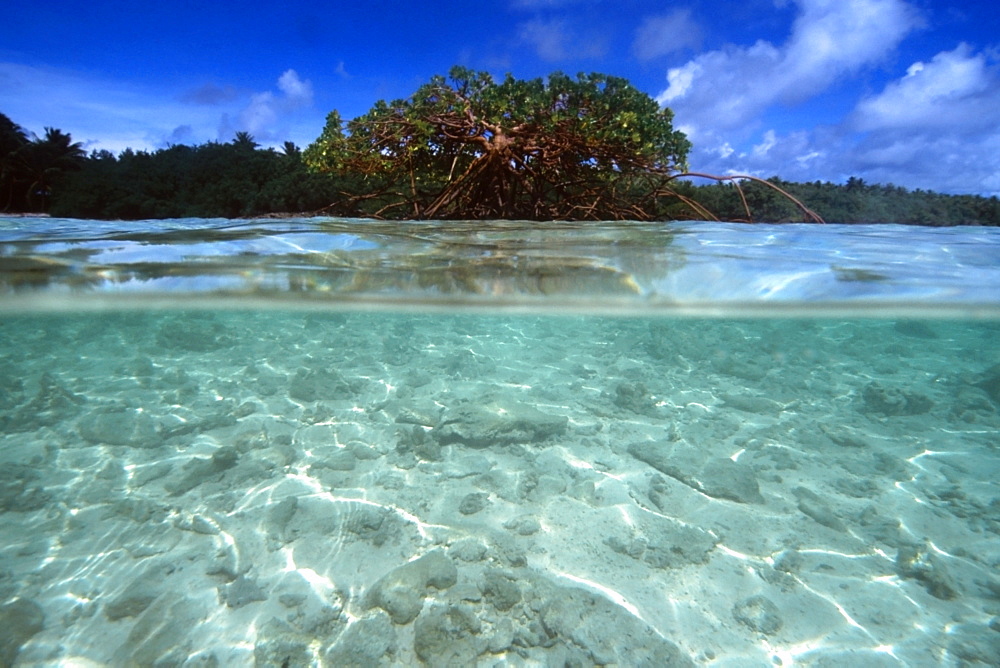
point(225, 489)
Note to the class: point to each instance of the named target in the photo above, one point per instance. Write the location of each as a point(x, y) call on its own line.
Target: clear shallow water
point(447, 445)
point(636, 268)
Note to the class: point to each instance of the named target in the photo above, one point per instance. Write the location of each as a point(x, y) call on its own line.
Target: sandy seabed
point(306, 489)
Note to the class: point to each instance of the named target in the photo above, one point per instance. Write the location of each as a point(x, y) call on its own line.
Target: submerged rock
point(473, 503)
point(20, 489)
point(448, 635)
point(637, 398)
point(720, 477)
point(200, 469)
point(315, 384)
point(914, 328)
point(54, 403)
point(500, 589)
point(723, 478)
point(242, 591)
point(989, 382)
point(278, 644)
point(665, 543)
point(401, 592)
point(160, 633)
point(813, 505)
point(975, 644)
point(139, 593)
point(523, 525)
point(120, 426)
point(758, 613)
point(923, 564)
point(20, 620)
point(893, 401)
point(605, 633)
point(193, 334)
point(497, 423)
point(365, 642)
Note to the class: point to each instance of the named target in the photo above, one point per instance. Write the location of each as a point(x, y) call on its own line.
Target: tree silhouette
point(13, 139)
point(245, 141)
point(44, 160)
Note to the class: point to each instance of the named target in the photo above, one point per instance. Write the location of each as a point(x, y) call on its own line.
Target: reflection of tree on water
point(500, 258)
point(341, 257)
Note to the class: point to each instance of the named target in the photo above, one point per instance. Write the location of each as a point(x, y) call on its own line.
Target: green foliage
point(468, 147)
point(853, 202)
point(211, 180)
point(29, 169)
point(13, 139)
point(240, 179)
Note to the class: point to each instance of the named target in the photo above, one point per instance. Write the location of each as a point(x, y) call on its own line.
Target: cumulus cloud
point(662, 35)
point(182, 134)
point(555, 39)
point(262, 116)
point(936, 126)
point(100, 112)
point(955, 89)
point(297, 92)
point(939, 125)
point(110, 114)
point(730, 87)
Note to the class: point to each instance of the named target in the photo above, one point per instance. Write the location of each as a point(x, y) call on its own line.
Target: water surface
point(341, 442)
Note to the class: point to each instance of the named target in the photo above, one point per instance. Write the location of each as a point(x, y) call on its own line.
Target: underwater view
point(358, 443)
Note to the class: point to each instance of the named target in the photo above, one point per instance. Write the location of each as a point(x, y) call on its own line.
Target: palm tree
point(43, 160)
point(12, 139)
point(245, 140)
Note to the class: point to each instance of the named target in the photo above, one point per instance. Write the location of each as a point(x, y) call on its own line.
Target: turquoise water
point(299, 443)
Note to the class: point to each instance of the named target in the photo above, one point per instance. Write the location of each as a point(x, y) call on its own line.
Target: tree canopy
point(469, 147)
point(30, 167)
point(240, 178)
point(215, 179)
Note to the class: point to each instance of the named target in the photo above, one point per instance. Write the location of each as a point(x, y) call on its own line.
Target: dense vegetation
point(29, 168)
point(598, 151)
point(853, 202)
point(593, 147)
point(232, 180)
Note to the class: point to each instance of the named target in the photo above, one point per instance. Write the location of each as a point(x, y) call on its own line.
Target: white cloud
point(730, 87)
point(547, 37)
point(260, 116)
point(297, 92)
point(111, 114)
point(555, 39)
point(936, 127)
point(264, 115)
point(663, 35)
point(762, 149)
point(956, 90)
point(99, 112)
point(341, 70)
point(834, 37)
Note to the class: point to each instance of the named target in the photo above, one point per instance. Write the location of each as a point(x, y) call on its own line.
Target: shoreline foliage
point(213, 180)
point(31, 168)
point(51, 175)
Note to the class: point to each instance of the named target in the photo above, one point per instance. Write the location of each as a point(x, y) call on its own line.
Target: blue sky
point(891, 91)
